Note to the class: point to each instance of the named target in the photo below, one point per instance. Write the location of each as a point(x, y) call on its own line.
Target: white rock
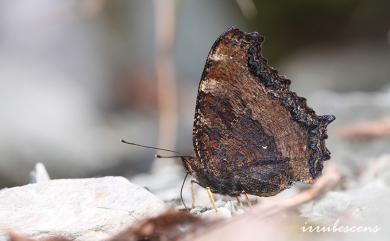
point(79, 209)
point(223, 212)
point(39, 174)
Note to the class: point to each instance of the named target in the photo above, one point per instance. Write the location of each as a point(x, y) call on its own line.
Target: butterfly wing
point(251, 133)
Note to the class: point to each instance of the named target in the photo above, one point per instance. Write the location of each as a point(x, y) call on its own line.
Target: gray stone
point(78, 209)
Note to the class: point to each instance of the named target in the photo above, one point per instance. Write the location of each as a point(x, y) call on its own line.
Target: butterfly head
point(187, 160)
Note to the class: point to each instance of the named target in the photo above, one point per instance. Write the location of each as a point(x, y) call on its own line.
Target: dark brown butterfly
point(251, 133)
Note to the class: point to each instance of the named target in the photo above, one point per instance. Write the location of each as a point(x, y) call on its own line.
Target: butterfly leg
point(211, 196)
point(239, 202)
point(193, 181)
point(212, 200)
point(247, 199)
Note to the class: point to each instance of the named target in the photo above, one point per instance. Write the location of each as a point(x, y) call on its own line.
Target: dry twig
point(365, 131)
point(165, 73)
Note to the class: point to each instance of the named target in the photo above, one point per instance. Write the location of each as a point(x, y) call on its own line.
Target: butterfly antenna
point(149, 147)
point(181, 191)
point(178, 156)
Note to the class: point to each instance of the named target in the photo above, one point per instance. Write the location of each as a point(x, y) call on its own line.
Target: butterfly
point(251, 133)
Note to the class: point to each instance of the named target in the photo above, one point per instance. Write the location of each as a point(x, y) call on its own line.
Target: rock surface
point(78, 209)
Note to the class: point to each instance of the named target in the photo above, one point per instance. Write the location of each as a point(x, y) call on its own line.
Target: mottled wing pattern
point(251, 133)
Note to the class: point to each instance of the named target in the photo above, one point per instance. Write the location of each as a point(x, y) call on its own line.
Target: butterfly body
point(251, 133)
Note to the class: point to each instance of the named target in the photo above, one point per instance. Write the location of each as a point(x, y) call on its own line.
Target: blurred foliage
point(290, 25)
